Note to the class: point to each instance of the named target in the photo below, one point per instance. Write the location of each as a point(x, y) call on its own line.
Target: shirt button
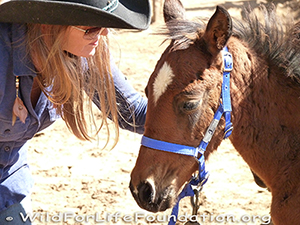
point(6, 148)
point(9, 218)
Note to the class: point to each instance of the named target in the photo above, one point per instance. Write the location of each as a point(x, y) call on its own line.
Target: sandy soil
point(83, 179)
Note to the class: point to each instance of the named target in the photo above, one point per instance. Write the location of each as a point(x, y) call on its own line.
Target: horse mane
point(183, 32)
point(273, 39)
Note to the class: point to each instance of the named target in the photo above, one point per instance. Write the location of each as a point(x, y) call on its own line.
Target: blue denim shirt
point(15, 178)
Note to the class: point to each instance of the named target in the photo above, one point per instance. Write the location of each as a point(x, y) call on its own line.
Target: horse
point(184, 93)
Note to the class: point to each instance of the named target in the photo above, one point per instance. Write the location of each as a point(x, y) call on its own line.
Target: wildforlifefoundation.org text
point(118, 217)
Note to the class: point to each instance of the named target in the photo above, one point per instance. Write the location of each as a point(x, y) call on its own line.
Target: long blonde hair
point(71, 82)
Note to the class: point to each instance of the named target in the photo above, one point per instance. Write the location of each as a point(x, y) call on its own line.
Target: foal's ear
point(218, 31)
point(173, 9)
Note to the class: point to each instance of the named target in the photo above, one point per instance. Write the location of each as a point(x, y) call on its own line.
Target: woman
point(53, 57)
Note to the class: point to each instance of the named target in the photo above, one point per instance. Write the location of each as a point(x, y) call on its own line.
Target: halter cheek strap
point(223, 109)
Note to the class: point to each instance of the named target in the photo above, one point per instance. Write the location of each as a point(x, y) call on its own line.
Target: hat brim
point(130, 15)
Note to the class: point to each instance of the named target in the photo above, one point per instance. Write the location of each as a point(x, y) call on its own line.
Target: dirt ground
point(88, 185)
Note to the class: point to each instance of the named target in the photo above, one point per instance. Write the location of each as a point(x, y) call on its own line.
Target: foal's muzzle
point(148, 199)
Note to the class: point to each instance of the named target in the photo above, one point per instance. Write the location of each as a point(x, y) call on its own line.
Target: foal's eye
point(191, 105)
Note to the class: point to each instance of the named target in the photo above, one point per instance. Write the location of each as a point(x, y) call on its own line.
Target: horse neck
point(264, 101)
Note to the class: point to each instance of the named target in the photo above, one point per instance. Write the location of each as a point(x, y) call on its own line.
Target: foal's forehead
point(182, 62)
point(163, 79)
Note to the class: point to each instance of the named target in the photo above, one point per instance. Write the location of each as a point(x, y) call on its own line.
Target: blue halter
point(224, 108)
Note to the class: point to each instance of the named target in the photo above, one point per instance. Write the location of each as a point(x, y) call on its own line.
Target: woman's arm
point(131, 105)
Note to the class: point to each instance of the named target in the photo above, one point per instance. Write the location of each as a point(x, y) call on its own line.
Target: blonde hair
point(71, 82)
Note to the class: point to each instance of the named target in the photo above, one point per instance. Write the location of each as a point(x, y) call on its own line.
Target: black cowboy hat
point(131, 14)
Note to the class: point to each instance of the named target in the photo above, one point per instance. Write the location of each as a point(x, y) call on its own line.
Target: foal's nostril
point(149, 199)
point(145, 192)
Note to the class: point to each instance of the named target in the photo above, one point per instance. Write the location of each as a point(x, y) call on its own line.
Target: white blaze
point(162, 81)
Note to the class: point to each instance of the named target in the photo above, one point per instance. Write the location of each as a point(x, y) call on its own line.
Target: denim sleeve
point(131, 105)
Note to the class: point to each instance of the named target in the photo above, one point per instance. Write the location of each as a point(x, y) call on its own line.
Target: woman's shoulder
point(5, 30)
point(8, 30)
point(5, 26)
point(11, 36)
point(11, 26)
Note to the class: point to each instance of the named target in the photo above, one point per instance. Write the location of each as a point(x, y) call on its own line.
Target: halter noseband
point(224, 108)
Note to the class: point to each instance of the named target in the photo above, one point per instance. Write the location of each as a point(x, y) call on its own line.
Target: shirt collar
point(22, 64)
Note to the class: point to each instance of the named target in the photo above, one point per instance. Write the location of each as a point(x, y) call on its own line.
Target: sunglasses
point(91, 33)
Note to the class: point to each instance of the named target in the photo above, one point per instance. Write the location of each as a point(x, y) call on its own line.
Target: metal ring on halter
point(226, 132)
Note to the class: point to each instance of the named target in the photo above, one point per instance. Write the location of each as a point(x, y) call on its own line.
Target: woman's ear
point(44, 28)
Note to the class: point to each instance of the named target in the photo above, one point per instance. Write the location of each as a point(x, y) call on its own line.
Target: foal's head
point(183, 92)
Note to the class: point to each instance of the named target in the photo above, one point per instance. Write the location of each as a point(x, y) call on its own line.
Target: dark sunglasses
point(91, 33)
